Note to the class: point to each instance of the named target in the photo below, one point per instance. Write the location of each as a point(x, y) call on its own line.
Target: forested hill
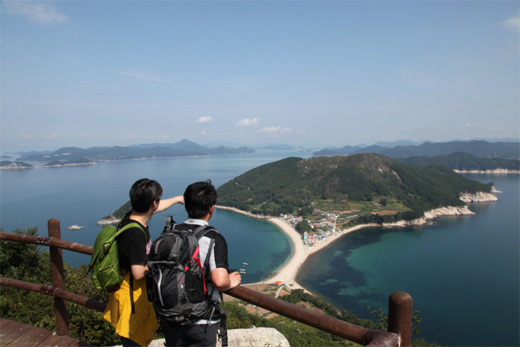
point(463, 161)
point(293, 184)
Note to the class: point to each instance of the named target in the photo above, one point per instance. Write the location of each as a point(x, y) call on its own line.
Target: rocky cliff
point(479, 196)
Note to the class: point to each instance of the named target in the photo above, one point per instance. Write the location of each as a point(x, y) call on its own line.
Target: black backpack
point(176, 280)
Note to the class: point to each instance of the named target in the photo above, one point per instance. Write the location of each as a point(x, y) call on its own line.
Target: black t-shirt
point(134, 244)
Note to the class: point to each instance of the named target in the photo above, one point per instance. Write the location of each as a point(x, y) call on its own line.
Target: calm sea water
point(82, 195)
point(462, 272)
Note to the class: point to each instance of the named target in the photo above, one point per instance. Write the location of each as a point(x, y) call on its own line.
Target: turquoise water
point(462, 272)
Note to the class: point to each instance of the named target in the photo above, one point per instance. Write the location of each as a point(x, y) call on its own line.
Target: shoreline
point(288, 272)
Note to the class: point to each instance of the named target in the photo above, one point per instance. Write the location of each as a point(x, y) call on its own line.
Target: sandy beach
point(287, 274)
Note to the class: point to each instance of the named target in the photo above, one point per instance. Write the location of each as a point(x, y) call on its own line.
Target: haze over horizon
point(120, 73)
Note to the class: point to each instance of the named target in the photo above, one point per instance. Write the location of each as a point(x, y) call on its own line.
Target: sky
point(308, 73)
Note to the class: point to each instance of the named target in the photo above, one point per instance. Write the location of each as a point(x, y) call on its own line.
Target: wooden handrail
point(56, 292)
point(48, 241)
point(399, 316)
point(320, 321)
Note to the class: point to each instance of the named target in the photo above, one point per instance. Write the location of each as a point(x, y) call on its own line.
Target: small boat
point(75, 227)
point(242, 269)
point(245, 263)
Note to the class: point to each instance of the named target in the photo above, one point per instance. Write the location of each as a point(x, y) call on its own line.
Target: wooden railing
point(399, 309)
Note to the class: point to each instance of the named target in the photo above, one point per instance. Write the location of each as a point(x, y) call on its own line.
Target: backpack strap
point(202, 230)
point(222, 334)
point(119, 232)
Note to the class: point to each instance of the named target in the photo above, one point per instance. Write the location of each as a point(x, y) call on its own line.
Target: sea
point(462, 272)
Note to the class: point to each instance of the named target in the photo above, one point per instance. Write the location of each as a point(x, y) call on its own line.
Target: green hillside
point(463, 161)
point(360, 183)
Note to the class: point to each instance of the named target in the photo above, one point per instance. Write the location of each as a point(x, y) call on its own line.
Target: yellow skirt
point(140, 326)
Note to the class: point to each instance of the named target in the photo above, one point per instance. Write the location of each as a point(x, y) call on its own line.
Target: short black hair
point(199, 197)
point(143, 194)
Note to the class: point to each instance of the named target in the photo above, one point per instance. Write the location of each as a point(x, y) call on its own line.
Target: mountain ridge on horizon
point(218, 147)
point(479, 148)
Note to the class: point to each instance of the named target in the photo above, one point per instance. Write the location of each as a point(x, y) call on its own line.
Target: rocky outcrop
point(496, 171)
point(447, 211)
point(428, 215)
point(479, 196)
point(108, 221)
point(254, 337)
point(494, 190)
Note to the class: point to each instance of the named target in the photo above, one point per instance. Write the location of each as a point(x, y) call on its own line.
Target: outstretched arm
point(224, 281)
point(167, 203)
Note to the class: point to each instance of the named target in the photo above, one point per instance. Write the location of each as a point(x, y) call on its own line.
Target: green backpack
point(104, 268)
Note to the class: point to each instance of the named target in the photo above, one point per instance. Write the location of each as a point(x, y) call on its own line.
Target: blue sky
point(105, 73)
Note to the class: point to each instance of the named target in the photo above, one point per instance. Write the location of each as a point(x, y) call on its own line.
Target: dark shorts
point(190, 335)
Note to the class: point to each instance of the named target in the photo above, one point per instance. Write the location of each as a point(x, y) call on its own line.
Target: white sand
point(288, 272)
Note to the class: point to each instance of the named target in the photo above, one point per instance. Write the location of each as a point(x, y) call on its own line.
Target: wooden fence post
point(58, 279)
point(400, 306)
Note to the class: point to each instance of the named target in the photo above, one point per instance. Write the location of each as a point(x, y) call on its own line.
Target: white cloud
point(203, 133)
point(43, 13)
point(142, 75)
point(513, 22)
point(204, 119)
point(247, 122)
point(274, 130)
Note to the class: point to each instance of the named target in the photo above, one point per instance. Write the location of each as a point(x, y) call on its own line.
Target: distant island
point(351, 190)
point(462, 162)
point(56, 163)
point(479, 148)
point(6, 164)
point(462, 156)
point(183, 148)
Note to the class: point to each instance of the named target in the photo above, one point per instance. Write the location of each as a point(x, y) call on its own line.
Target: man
point(200, 199)
point(128, 308)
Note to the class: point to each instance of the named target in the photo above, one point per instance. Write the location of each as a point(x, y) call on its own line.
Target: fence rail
point(399, 309)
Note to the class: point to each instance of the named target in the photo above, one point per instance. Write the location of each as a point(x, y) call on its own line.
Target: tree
point(382, 320)
point(303, 226)
point(26, 262)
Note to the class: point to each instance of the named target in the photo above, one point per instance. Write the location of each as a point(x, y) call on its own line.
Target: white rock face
point(447, 211)
point(479, 196)
point(443, 211)
point(256, 337)
point(494, 190)
point(496, 171)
